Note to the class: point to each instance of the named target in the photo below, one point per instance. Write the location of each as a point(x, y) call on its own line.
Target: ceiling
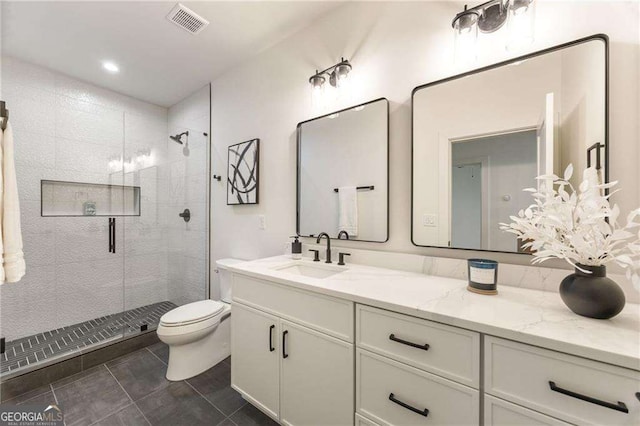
point(159, 62)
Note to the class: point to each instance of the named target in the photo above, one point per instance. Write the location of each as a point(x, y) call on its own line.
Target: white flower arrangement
point(572, 225)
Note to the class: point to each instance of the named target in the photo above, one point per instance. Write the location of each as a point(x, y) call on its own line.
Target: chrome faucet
point(343, 232)
point(324, 234)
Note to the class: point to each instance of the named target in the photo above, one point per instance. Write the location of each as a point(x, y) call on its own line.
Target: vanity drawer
point(392, 393)
point(570, 388)
point(452, 352)
point(362, 421)
point(498, 412)
point(325, 314)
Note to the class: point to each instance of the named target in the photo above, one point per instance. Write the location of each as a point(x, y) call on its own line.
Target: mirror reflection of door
point(466, 206)
point(507, 163)
point(548, 149)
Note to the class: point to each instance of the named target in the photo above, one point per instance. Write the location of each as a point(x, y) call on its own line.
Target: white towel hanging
point(13, 256)
point(348, 210)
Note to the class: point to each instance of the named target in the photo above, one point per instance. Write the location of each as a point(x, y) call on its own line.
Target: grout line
point(128, 396)
point(75, 380)
point(143, 415)
point(161, 360)
point(53, 391)
point(238, 409)
point(210, 403)
point(114, 378)
point(227, 419)
point(122, 409)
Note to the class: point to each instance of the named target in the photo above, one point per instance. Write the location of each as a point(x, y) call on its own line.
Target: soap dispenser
point(296, 248)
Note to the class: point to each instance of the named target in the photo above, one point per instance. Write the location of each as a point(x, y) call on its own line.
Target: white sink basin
point(311, 271)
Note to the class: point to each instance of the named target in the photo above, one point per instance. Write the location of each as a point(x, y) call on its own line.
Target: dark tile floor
point(132, 390)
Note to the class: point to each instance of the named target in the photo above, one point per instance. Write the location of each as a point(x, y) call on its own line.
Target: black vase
point(592, 294)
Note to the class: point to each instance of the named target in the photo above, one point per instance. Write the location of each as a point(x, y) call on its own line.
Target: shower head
point(178, 137)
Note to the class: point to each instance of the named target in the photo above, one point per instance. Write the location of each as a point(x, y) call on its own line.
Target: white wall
point(345, 150)
point(68, 130)
point(394, 47)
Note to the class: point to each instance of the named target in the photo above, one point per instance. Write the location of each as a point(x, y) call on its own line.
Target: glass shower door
point(88, 202)
point(146, 261)
point(72, 197)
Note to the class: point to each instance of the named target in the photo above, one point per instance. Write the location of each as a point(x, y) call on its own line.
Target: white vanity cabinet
point(292, 357)
point(309, 355)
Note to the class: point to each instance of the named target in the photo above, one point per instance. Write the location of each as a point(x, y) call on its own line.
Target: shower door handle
point(112, 235)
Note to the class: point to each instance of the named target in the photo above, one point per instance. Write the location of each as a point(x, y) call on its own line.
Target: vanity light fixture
point(489, 17)
point(337, 74)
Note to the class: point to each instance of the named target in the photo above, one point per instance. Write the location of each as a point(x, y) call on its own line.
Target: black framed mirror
point(480, 138)
point(343, 173)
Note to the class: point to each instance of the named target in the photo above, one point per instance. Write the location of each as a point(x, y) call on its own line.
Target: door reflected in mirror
point(480, 138)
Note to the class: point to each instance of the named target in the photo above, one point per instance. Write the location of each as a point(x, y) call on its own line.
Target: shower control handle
point(185, 215)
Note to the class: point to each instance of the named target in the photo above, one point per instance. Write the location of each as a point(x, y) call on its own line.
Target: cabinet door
point(255, 355)
point(316, 376)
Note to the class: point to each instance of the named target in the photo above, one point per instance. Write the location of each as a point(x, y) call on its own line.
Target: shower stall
point(103, 193)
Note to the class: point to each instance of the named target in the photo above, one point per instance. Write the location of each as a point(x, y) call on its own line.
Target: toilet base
point(191, 359)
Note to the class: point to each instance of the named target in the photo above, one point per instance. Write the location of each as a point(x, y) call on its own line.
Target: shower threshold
point(32, 352)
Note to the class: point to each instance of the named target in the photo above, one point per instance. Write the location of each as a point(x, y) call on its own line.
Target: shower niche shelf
point(75, 199)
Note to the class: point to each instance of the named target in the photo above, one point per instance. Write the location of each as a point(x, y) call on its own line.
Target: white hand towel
point(14, 266)
point(348, 210)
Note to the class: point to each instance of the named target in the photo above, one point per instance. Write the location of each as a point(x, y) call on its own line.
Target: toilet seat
point(192, 313)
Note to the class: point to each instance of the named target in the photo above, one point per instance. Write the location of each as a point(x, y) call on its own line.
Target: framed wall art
point(243, 173)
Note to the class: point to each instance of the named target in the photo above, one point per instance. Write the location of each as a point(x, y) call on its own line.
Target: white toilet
point(199, 333)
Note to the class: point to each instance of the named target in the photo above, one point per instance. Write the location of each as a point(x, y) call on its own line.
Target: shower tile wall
point(66, 129)
point(187, 173)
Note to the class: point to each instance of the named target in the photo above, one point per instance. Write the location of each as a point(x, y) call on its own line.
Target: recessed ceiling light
point(110, 66)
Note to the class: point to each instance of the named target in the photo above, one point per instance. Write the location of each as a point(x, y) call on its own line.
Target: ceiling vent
point(187, 19)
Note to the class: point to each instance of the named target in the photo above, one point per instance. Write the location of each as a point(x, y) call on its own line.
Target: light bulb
point(317, 90)
point(465, 27)
point(342, 73)
point(520, 23)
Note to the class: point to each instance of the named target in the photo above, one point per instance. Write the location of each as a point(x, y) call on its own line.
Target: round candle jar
point(483, 276)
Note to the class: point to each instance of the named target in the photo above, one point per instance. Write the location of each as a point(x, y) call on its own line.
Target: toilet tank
point(224, 275)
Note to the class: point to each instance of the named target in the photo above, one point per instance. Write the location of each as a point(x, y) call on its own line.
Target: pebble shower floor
point(26, 351)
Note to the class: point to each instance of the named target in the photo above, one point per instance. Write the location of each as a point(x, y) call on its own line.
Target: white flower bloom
point(580, 227)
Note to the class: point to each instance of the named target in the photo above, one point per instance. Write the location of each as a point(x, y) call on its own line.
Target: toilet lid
point(192, 312)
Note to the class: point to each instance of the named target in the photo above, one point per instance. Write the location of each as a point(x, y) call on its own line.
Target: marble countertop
point(530, 316)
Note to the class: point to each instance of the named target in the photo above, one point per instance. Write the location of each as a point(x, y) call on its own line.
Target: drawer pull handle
point(271, 348)
point(424, 412)
point(424, 347)
point(284, 344)
point(620, 406)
